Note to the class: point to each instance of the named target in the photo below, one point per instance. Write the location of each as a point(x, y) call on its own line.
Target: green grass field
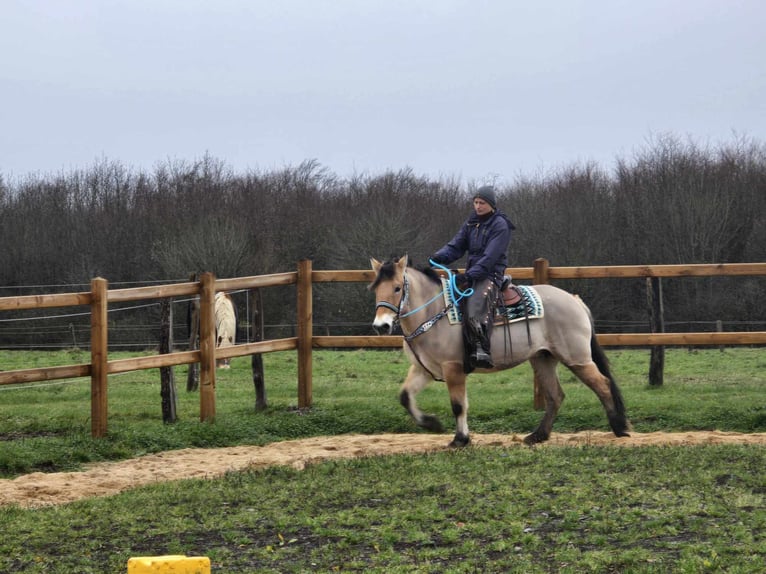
point(488, 509)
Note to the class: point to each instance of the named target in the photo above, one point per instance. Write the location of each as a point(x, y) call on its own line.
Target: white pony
point(225, 325)
point(225, 331)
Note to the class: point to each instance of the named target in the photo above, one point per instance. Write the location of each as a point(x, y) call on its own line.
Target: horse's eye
point(397, 289)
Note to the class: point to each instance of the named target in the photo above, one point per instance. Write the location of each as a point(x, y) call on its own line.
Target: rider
point(485, 235)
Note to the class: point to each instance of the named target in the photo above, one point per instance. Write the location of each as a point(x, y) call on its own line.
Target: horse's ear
point(401, 265)
point(375, 264)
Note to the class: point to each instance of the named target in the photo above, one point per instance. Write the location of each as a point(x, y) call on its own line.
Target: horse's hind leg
point(544, 365)
point(608, 393)
point(455, 377)
point(416, 381)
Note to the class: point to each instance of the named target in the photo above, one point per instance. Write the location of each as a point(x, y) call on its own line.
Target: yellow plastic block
point(174, 564)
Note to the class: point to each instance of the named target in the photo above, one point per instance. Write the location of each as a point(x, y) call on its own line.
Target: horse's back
point(561, 327)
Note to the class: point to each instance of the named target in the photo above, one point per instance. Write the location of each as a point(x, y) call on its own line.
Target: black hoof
point(620, 426)
point(431, 423)
point(535, 438)
point(460, 441)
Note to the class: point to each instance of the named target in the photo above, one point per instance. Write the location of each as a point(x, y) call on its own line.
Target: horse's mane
point(387, 271)
point(430, 273)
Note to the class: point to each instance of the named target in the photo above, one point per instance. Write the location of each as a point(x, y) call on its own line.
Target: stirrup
point(481, 359)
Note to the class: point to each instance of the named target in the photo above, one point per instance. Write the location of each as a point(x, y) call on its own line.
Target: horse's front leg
point(455, 377)
point(417, 379)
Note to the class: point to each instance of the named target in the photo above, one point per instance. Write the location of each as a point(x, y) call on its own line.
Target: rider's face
point(481, 207)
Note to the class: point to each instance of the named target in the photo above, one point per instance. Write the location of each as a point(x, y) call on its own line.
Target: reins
point(456, 294)
point(426, 325)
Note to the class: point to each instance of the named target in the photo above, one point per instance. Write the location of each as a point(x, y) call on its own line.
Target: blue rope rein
point(455, 293)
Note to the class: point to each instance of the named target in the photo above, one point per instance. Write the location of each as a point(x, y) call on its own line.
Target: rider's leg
point(477, 323)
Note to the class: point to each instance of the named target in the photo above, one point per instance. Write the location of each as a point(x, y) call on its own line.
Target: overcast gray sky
point(471, 89)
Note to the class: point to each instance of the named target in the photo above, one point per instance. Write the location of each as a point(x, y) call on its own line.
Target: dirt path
point(103, 479)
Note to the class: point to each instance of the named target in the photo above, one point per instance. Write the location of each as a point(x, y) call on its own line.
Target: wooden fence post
point(167, 378)
point(99, 357)
point(719, 329)
point(656, 325)
point(305, 332)
point(540, 277)
point(257, 358)
point(540, 272)
point(207, 347)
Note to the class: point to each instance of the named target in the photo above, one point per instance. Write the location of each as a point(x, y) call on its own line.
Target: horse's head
point(389, 291)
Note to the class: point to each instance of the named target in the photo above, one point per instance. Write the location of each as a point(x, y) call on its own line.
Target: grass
point(489, 509)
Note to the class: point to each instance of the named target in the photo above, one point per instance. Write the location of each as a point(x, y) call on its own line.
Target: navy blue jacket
point(486, 240)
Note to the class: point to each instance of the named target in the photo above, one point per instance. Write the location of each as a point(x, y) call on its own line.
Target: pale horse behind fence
point(225, 331)
point(225, 325)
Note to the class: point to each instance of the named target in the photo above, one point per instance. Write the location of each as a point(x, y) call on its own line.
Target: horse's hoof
point(431, 423)
point(534, 438)
point(622, 434)
point(460, 441)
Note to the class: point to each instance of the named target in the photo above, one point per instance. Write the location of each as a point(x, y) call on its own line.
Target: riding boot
point(480, 357)
point(477, 322)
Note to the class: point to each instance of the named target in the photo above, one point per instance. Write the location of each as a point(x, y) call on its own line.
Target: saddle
point(517, 303)
point(525, 304)
point(509, 293)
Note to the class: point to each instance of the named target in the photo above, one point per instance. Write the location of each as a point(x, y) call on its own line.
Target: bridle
point(429, 323)
point(426, 325)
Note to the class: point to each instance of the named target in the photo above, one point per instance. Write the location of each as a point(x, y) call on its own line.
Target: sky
point(478, 90)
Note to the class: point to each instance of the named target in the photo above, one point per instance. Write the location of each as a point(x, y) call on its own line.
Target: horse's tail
point(618, 421)
point(599, 357)
point(225, 320)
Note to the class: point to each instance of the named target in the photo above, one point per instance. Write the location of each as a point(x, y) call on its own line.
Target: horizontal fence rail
point(100, 296)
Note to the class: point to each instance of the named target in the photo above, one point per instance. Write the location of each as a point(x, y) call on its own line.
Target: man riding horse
point(485, 235)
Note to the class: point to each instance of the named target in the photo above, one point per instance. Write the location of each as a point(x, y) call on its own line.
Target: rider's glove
point(437, 260)
point(463, 281)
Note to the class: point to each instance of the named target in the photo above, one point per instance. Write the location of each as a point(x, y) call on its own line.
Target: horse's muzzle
point(383, 323)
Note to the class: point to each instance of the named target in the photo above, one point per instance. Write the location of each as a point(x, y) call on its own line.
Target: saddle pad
point(530, 306)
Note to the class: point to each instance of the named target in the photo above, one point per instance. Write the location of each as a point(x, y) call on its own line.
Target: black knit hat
point(487, 193)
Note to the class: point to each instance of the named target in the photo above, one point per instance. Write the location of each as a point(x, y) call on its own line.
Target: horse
point(225, 328)
point(225, 325)
point(563, 334)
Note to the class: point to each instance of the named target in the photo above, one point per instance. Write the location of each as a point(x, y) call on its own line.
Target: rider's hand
point(463, 281)
point(435, 259)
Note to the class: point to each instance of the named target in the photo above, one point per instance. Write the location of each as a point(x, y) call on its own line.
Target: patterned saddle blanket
point(529, 306)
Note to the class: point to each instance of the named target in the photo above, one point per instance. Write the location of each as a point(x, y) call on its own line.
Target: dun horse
point(564, 333)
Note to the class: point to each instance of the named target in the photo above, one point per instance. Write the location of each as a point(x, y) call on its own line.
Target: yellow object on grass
point(174, 564)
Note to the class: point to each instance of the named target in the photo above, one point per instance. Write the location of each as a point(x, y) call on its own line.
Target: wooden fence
point(99, 297)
